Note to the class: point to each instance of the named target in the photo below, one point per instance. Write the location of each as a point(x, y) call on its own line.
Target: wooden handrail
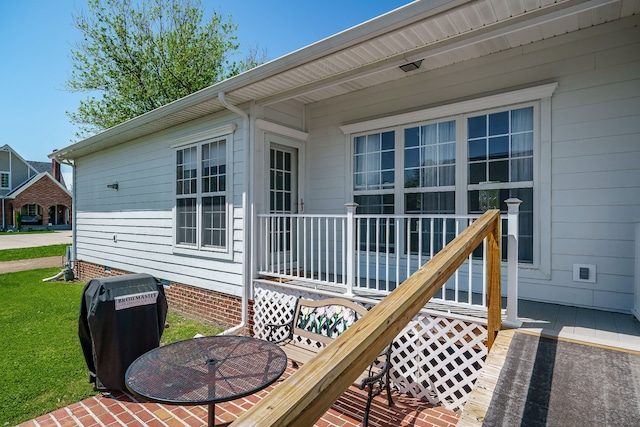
point(307, 394)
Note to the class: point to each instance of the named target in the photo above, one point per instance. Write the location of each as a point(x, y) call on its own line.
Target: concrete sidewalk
point(30, 240)
point(31, 264)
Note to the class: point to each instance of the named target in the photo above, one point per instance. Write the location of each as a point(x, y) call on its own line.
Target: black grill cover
point(121, 318)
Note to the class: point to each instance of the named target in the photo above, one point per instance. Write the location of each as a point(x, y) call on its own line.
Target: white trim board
point(492, 101)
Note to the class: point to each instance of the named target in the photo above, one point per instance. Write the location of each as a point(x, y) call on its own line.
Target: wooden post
point(494, 298)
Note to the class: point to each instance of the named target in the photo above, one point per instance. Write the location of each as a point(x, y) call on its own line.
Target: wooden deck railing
point(307, 394)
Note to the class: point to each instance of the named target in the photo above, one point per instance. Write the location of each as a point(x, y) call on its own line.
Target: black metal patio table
point(207, 370)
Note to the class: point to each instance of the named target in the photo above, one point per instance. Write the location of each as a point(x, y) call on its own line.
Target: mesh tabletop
point(206, 370)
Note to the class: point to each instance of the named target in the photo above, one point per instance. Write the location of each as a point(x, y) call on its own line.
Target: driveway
point(11, 241)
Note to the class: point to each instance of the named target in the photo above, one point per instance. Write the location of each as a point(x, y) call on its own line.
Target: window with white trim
point(462, 164)
point(4, 180)
point(201, 218)
point(500, 161)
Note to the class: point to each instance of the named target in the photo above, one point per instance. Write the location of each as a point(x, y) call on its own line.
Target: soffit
point(467, 30)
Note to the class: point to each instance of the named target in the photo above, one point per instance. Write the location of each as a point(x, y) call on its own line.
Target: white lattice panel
point(438, 359)
point(435, 358)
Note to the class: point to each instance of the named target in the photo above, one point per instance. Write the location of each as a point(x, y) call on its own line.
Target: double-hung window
point(429, 181)
point(462, 158)
point(201, 186)
point(4, 180)
point(374, 185)
point(501, 165)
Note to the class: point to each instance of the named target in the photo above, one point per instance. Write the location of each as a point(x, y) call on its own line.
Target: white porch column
point(351, 247)
point(512, 320)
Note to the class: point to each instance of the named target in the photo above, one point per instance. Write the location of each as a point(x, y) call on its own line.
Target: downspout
point(74, 237)
point(246, 219)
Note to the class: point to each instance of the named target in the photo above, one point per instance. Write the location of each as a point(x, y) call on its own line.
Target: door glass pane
point(282, 189)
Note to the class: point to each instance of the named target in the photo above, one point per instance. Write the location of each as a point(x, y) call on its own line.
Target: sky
point(36, 37)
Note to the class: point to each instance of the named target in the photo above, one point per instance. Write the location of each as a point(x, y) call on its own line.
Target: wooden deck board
point(600, 328)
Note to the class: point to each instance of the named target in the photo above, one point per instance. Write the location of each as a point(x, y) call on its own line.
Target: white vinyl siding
point(587, 191)
point(132, 229)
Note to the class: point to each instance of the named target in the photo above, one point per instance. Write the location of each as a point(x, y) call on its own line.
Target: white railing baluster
point(408, 237)
point(368, 254)
point(311, 246)
point(304, 246)
point(335, 250)
point(363, 251)
point(419, 242)
point(386, 259)
point(326, 243)
point(298, 239)
point(470, 261)
point(376, 251)
point(455, 276)
point(398, 248)
point(320, 251)
point(358, 255)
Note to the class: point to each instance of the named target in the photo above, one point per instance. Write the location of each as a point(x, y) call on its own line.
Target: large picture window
point(461, 158)
point(201, 196)
point(448, 167)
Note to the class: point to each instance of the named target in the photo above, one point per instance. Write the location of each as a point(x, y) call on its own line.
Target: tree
point(141, 54)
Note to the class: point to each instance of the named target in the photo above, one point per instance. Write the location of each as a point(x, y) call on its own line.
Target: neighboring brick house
point(35, 190)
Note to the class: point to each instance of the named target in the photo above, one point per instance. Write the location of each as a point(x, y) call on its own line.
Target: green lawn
point(42, 367)
point(30, 253)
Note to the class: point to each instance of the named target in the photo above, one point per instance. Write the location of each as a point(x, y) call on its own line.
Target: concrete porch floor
point(593, 326)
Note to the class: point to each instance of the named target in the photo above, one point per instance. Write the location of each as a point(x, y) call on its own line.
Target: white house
point(416, 113)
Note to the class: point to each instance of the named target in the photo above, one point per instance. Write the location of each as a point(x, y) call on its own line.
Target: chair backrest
point(324, 320)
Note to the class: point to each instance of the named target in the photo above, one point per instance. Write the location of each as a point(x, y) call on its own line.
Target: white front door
point(283, 200)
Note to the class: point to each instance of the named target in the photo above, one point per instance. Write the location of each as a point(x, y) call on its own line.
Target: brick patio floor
point(120, 409)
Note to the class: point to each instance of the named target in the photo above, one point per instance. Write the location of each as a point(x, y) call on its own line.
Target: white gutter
point(74, 237)
point(246, 218)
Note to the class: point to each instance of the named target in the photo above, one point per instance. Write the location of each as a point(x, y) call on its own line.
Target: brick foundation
point(189, 301)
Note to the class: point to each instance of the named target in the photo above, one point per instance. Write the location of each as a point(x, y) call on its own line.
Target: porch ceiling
point(439, 32)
